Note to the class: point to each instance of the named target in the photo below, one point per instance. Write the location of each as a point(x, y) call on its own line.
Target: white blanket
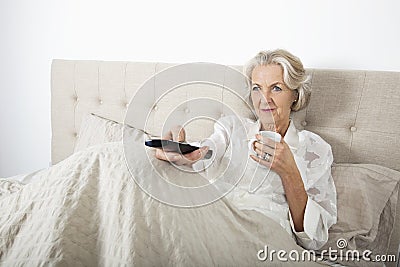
point(88, 211)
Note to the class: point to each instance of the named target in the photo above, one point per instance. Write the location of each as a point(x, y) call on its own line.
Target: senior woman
point(299, 192)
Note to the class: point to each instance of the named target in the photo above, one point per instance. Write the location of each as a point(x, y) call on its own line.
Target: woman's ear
point(295, 99)
point(295, 95)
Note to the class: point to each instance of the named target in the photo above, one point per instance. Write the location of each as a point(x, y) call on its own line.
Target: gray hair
point(294, 74)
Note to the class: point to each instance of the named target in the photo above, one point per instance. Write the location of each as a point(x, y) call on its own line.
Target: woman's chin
point(266, 119)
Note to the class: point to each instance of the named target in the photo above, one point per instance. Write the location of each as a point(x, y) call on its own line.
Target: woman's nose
point(266, 96)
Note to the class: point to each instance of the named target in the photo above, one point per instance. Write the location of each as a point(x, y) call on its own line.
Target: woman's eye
point(276, 88)
point(256, 88)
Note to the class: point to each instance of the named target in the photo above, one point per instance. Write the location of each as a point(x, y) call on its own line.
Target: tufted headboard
point(355, 111)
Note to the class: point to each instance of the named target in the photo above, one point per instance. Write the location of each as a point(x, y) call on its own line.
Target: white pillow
point(367, 198)
point(97, 130)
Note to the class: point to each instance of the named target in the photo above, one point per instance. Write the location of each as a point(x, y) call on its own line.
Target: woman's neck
point(280, 128)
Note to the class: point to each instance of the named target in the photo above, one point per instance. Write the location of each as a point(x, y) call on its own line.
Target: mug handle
point(251, 147)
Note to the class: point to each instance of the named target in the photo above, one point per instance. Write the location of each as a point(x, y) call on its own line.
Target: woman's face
point(272, 99)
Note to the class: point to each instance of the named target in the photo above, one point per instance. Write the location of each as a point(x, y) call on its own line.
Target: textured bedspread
point(88, 211)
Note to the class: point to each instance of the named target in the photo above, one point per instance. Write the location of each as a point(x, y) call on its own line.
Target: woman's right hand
point(178, 134)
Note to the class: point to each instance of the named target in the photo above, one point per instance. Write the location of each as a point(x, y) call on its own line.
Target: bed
point(354, 111)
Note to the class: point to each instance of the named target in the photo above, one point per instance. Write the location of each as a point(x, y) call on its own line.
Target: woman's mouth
point(267, 109)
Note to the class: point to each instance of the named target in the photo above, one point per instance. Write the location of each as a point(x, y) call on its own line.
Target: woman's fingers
point(176, 133)
point(190, 158)
point(179, 159)
point(197, 154)
point(261, 161)
point(281, 160)
point(159, 154)
point(166, 156)
point(266, 141)
point(180, 134)
point(262, 148)
point(261, 154)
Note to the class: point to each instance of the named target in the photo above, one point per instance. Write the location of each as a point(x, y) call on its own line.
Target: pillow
point(367, 196)
point(97, 130)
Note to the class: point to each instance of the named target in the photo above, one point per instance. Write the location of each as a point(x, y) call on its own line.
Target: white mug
point(274, 136)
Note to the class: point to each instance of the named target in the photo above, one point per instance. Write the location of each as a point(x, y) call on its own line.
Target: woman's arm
point(296, 197)
point(312, 207)
point(320, 213)
point(283, 163)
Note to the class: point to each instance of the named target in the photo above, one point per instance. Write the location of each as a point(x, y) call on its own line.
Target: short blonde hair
point(294, 74)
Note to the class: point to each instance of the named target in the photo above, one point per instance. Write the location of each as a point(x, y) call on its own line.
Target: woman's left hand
point(280, 158)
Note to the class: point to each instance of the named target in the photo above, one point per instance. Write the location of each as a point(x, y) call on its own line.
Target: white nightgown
point(313, 157)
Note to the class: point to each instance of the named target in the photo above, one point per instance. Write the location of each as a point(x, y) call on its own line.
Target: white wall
point(345, 34)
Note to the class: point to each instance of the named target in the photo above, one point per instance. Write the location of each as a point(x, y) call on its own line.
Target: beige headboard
point(357, 112)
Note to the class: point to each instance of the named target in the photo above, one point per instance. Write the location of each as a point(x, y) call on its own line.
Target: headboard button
point(127, 105)
point(353, 128)
point(100, 102)
point(155, 107)
point(304, 123)
point(222, 115)
point(187, 110)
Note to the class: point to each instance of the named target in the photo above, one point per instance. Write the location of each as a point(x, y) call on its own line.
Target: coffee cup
point(274, 136)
